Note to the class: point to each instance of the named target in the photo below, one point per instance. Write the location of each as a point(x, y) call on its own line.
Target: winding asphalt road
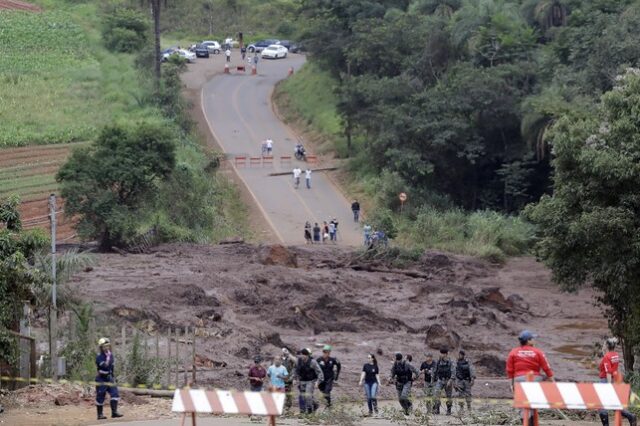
point(238, 109)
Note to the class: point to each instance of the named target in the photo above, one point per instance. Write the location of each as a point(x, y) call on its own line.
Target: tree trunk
point(155, 9)
point(628, 356)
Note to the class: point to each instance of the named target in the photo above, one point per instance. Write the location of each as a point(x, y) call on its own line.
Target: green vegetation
point(589, 228)
point(59, 84)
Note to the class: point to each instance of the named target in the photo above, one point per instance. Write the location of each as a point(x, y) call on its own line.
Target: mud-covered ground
point(247, 300)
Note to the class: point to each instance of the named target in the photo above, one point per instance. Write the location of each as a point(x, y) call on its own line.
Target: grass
point(57, 82)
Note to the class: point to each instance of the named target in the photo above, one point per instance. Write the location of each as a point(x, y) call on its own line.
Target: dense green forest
point(452, 100)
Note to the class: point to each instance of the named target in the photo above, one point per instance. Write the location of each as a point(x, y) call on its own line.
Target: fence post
point(193, 358)
point(169, 358)
point(177, 360)
point(186, 360)
point(123, 334)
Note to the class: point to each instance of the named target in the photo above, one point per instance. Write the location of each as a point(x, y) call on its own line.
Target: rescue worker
point(403, 373)
point(330, 370)
point(609, 374)
point(105, 364)
point(308, 373)
point(527, 359)
point(427, 368)
point(289, 361)
point(465, 378)
point(443, 375)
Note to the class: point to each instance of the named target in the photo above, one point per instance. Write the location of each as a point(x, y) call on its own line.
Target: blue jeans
point(371, 390)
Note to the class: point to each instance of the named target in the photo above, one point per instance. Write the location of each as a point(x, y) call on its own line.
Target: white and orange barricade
point(570, 396)
point(194, 401)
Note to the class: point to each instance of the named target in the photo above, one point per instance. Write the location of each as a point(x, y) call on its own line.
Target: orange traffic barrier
point(255, 161)
point(290, 71)
point(226, 68)
point(312, 159)
point(267, 161)
point(241, 161)
point(254, 70)
point(240, 68)
point(285, 160)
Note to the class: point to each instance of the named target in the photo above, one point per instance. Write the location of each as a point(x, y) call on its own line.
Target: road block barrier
point(267, 161)
point(255, 161)
point(226, 68)
point(312, 159)
point(240, 68)
point(240, 161)
point(254, 70)
point(200, 401)
point(570, 396)
point(285, 160)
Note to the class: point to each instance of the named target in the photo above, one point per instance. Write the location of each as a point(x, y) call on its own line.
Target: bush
point(382, 220)
point(125, 30)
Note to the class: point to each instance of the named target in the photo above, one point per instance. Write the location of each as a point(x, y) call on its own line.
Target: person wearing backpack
point(403, 373)
point(465, 377)
point(308, 373)
point(443, 375)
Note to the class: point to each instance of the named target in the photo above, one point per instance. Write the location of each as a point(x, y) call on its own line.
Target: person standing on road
point(370, 376)
point(316, 233)
point(243, 52)
point(325, 231)
point(289, 362)
point(296, 177)
point(427, 368)
point(277, 374)
point(307, 178)
point(105, 363)
point(308, 373)
point(465, 378)
point(263, 147)
point(330, 370)
point(355, 208)
point(443, 376)
point(269, 147)
point(609, 373)
point(332, 231)
point(367, 234)
point(257, 373)
point(227, 53)
point(307, 233)
point(335, 225)
point(403, 373)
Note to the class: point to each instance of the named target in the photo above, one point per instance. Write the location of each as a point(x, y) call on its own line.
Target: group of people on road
point(297, 173)
point(320, 234)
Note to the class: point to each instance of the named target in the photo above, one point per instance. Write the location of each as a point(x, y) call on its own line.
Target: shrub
point(125, 30)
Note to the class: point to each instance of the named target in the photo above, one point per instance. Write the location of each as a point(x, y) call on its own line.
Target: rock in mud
point(492, 297)
point(438, 336)
point(278, 255)
point(491, 365)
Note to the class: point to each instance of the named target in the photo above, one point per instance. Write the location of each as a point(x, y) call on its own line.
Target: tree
point(106, 183)
point(125, 30)
point(590, 227)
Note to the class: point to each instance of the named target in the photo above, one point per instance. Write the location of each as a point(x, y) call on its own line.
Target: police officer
point(289, 361)
point(403, 374)
point(105, 364)
point(465, 377)
point(609, 374)
point(427, 368)
point(443, 374)
point(331, 371)
point(308, 373)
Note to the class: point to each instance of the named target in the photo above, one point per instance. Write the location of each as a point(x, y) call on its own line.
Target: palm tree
point(546, 13)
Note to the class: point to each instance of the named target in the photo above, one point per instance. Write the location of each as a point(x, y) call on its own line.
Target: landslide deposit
point(247, 300)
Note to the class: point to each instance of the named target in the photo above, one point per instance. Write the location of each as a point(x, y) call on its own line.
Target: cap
point(526, 335)
point(305, 351)
point(326, 348)
point(103, 341)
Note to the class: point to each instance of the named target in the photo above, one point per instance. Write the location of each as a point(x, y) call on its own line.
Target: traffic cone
point(226, 69)
point(254, 70)
point(290, 71)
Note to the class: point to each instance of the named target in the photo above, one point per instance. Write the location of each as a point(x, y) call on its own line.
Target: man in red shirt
point(257, 374)
point(609, 374)
point(527, 359)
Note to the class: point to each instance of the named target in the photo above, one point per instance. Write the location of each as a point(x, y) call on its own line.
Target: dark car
point(202, 51)
point(291, 46)
point(260, 45)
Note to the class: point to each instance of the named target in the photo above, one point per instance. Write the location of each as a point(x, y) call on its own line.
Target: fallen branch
point(322, 169)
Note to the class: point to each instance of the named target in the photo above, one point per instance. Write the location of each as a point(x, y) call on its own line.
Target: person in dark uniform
point(105, 364)
point(403, 374)
point(443, 375)
point(465, 377)
point(308, 373)
point(289, 361)
point(427, 368)
point(331, 370)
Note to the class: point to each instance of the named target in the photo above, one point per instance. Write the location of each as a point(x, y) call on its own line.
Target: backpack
point(403, 372)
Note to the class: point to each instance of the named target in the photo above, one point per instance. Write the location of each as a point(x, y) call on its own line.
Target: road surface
point(238, 110)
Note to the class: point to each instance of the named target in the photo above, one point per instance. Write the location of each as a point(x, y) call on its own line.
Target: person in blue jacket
point(105, 364)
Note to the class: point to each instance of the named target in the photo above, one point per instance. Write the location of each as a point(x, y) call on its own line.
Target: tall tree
point(590, 226)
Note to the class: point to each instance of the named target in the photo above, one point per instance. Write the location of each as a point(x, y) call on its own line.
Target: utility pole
point(53, 317)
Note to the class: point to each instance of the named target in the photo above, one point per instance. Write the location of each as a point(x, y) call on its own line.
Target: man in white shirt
point(228, 55)
point(296, 176)
point(307, 178)
point(269, 146)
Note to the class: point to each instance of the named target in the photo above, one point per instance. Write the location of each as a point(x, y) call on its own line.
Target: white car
point(187, 55)
point(274, 51)
point(213, 46)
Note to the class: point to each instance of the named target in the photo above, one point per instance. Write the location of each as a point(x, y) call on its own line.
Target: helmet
point(326, 348)
point(103, 341)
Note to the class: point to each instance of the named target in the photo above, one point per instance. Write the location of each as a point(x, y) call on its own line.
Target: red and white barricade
point(194, 401)
point(570, 396)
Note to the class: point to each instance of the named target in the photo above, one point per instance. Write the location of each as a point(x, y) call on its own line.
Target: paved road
point(239, 113)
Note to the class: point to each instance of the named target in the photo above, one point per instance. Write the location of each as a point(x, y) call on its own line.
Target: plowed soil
point(247, 300)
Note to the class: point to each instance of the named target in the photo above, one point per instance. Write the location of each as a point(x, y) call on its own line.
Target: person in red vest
point(609, 374)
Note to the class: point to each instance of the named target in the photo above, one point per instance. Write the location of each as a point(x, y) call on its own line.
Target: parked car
point(274, 51)
point(261, 45)
point(291, 46)
point(213, 46)
point(201, 51)
point(185, 54)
